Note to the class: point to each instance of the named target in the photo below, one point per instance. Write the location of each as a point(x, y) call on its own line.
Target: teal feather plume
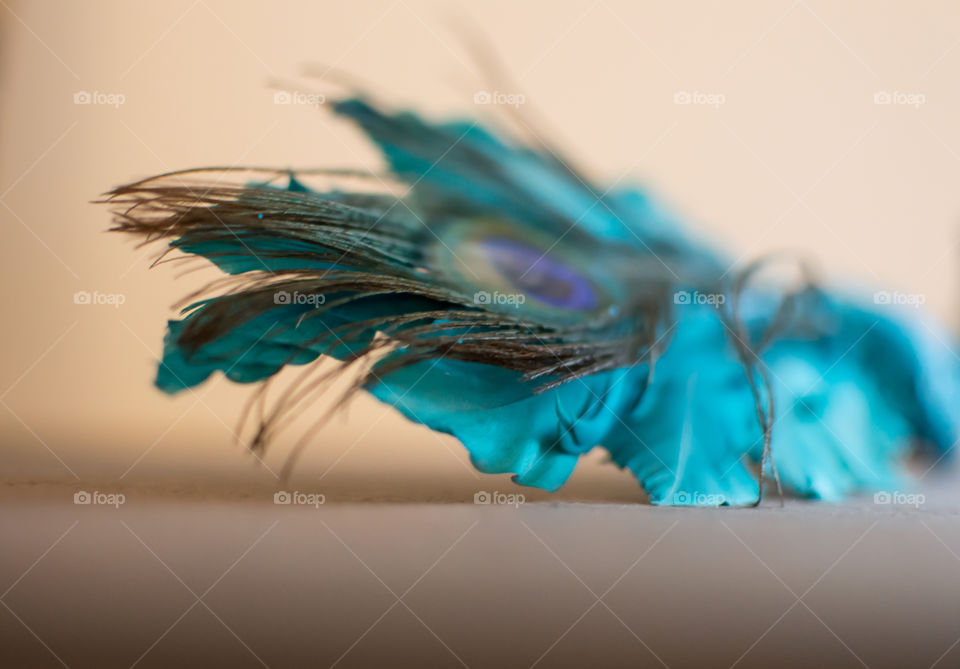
point(497, 297)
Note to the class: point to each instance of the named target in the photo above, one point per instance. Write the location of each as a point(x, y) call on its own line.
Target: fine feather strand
point(307, 243)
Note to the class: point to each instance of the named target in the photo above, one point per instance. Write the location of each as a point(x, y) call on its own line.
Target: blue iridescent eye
point(513, 268)
point(537, 274)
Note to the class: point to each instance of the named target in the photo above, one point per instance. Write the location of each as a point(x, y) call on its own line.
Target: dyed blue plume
point(501, 299)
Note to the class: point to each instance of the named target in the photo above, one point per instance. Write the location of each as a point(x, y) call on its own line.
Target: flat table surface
point(183, 577)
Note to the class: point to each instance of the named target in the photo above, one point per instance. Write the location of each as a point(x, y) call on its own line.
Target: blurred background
point(784, 143)
point(829, 128)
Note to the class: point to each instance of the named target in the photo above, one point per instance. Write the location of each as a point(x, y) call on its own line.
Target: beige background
point(199, 568)
point(798, 156)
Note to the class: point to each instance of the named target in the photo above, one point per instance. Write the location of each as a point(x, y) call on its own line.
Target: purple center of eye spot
point(533, 272)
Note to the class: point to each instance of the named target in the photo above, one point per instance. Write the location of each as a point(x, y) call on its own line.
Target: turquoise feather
point(664, 387)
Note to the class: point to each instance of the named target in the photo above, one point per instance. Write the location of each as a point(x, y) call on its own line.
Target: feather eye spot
point(538, 274)
point(512, 268)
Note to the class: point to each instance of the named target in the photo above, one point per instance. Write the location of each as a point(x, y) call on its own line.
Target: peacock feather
point(486, 290)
